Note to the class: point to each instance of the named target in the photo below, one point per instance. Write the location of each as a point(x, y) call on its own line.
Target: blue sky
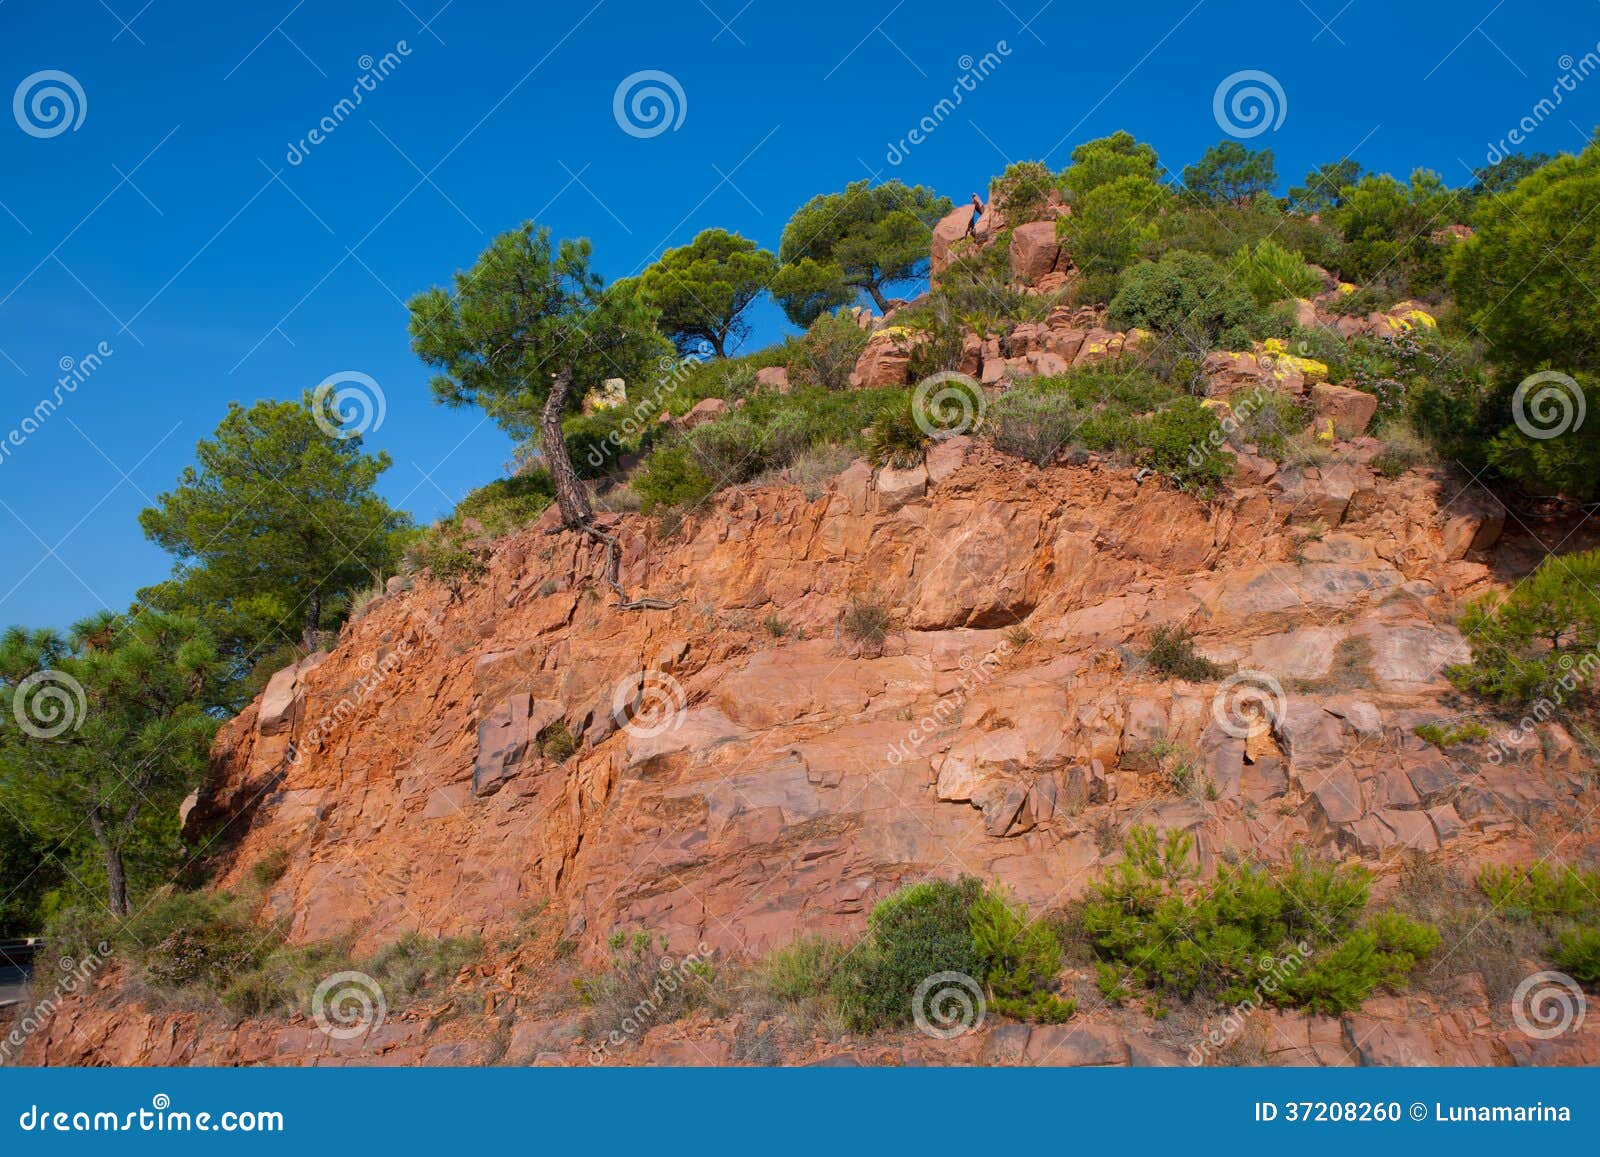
point(172, 224)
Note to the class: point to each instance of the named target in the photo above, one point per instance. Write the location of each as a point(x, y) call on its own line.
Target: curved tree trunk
point(877, 297)
point(571, 496)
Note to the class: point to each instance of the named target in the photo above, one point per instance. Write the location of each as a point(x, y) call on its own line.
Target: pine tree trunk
point(313, 620)
point(116, 883)
point(719, 344)
point(571, 496)
point(877, 296)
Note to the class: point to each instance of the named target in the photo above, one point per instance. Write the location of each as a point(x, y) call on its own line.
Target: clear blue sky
point(171, 225)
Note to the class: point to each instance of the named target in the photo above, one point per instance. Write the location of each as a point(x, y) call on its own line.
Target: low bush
point(1299, 938)
point(866, 622)
point(1035, 424)
point(1577, 954)
point(1562, 902)
point(1188, 295)
point(1171, 654)
point(643, 985)
point(828, 351)
point(1542, 892)
point(896, 438)
point(803, 970)
point(1451, 735)
point(269, 869)
point(508, 503)
point(942, 926)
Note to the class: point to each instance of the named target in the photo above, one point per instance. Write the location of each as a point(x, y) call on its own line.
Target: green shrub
point(1443, 736)
point(1272, 273)
point(913, 934)
point(1171, 654)
point(1032, 424)
point(896, 438)
point(866, 621)
point(557, 742)
point(1271, 421)
point(1180, 441)
point(1023, 958)
point(507, 503)
point(195, 939)
point(269, 869)
point(672, 478)
point(641, 979)
point(1190, 296)
point(1295, 939)
point(803, 970)
point(1578, 955)
point(1541, 892)
point(1539, 641)
point(828, 352)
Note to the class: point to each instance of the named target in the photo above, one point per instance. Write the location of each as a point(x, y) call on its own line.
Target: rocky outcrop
point(729, 784)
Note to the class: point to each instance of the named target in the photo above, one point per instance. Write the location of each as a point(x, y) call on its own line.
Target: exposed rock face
point(1035, 252)
point(731, 788)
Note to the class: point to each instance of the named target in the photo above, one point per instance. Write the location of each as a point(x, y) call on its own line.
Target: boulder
point(1034, 251)
point(705, 410)
point(773, 378)
point(1349, 410)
